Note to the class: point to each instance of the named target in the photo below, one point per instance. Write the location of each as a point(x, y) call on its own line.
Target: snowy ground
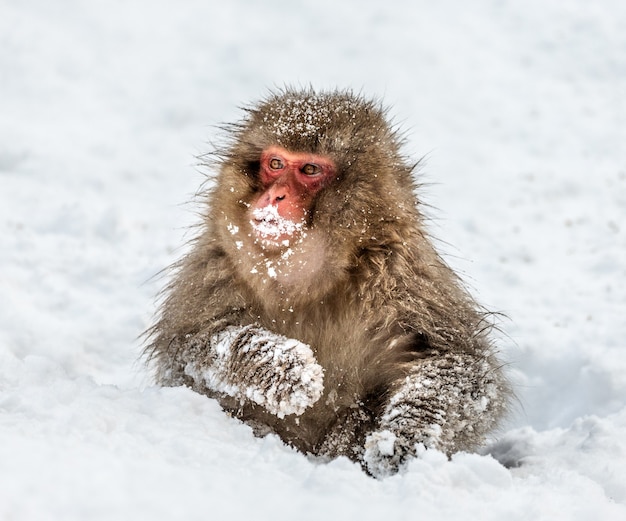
point(520, 108)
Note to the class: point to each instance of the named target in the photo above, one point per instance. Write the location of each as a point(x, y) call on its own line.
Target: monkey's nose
point(277, 194)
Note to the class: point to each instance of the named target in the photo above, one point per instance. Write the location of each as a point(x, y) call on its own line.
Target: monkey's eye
point(276, 164)
point(311, 169)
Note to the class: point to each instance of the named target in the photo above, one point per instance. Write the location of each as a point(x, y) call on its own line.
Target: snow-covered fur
point(251, 363)
point(354, 338)
point(445, 403)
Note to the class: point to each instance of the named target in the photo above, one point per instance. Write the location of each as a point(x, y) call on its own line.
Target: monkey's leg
point(251, 363)
point(447, 402)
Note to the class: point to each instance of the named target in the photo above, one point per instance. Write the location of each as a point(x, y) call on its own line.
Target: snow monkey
point(313, 304)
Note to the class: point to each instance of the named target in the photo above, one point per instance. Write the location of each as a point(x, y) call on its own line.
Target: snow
point(520, 110)
point(269, 225)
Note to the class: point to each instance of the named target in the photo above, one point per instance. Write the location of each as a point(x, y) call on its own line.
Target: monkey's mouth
point(273, 229)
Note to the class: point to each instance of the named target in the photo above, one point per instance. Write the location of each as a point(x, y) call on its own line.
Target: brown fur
point(365, 289)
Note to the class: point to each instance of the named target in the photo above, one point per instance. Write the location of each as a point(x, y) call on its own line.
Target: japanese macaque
point(313, 305)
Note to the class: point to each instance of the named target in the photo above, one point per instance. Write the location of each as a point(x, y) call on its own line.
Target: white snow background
point(520, 108)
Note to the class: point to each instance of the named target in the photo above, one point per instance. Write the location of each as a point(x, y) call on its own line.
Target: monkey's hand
point(252, 363)
point(447, 402)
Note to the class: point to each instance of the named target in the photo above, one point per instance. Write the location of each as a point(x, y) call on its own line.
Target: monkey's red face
point(289, 182)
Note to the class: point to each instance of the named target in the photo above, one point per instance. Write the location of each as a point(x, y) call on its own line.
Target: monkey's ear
point(252, 169)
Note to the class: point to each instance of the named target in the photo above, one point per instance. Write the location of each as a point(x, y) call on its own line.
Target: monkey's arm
point(250, 363)
point(447, 402)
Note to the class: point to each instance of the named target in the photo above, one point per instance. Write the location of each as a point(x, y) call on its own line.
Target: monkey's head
point(309, 180)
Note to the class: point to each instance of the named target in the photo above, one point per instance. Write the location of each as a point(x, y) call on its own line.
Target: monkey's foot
point(383, 454)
